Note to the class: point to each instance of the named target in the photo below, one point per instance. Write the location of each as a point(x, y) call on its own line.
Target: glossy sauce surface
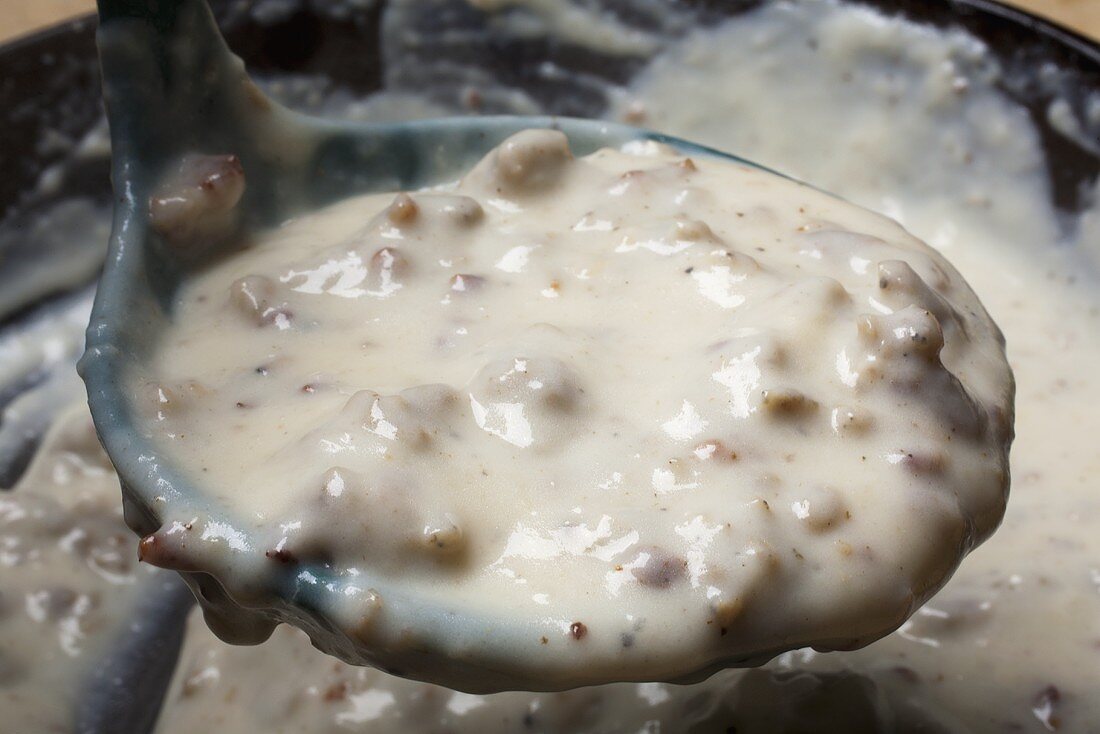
point(70, 576)
point(1011, 643)
point(905, 119)
point(662, 411)
point(288, 687)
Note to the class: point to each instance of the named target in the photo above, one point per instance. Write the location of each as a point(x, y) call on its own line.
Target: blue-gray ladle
point(172, 89)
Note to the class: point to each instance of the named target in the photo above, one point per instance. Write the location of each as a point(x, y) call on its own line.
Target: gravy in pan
point(906, 120)
point(70, 577)
point(899, 118)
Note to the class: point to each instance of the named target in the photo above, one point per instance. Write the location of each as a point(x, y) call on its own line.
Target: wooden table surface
point(20, 16)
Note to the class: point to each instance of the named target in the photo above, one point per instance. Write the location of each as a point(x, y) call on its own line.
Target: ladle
point(172, 88)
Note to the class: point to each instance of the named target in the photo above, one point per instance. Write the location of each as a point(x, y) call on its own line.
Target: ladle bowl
point(173, 88)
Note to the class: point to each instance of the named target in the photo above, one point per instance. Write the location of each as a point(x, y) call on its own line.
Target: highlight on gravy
point(667, 413)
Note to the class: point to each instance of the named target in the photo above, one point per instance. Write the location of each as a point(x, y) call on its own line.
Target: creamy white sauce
point(1011, 643)
point(286, 686)
point(36, 368)
point(740, 414)
point(70, 576)
point(590, 27)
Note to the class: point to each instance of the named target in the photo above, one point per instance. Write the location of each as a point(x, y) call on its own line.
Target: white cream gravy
point(740, 414)
point(70, 577)
point(1013, 641)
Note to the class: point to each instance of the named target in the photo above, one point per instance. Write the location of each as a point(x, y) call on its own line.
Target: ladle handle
point(171, 85)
